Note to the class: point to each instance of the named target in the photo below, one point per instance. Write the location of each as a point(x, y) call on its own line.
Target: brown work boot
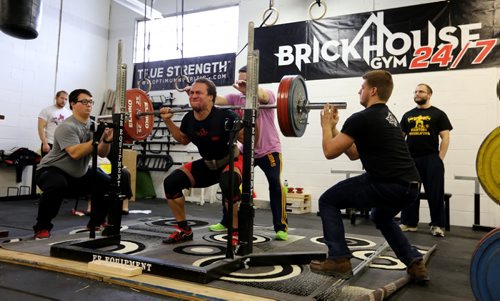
point(337, 267)
point(418, 272)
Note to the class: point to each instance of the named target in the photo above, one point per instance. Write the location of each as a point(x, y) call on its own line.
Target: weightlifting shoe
point(418, 272)
point(437, 231)
point(179, 235)
point(406, 228)
point(281, 235)
point(42, 234)
point(337, 267)
point(217, 228)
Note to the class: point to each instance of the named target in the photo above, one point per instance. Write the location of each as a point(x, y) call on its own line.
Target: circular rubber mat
point(353, 243)
point(171, 222)
point(201, 250)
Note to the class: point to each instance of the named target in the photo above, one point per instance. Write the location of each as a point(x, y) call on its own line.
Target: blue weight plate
point(485, 268)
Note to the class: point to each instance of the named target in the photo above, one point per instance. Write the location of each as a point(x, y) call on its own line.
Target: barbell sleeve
point(157, 112)
point(319, 105)
point(103, 117)
point(308, 106)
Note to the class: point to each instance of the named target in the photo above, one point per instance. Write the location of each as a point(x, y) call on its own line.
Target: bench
point(352, 213)
point(477, 204)
point(447, 196)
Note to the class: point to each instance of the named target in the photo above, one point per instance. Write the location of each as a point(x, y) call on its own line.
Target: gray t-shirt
point(68, 133)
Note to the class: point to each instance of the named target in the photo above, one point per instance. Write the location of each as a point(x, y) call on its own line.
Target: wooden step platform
point(298, 203)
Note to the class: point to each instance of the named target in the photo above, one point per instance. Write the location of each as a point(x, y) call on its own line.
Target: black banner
point(162, 74)
point(439, 36)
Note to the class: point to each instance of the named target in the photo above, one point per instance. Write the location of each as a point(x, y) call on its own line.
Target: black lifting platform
point(95, 249)
point(90, 250)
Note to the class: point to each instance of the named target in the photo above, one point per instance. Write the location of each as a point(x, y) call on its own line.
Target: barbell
point(292, 107)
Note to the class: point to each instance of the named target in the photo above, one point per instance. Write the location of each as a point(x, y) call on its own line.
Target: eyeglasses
point(86, 101)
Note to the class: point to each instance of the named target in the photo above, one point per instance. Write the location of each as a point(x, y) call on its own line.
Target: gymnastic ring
point(147, 82)
point(264, 16)
point(178, 79)
point(319, 4)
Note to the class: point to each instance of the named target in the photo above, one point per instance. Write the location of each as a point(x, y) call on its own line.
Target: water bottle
point(285, 187)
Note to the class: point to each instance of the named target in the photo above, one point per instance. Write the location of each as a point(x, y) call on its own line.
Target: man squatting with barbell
point(205, 126)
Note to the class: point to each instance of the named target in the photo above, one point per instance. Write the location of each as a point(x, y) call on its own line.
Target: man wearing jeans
point(391, 181)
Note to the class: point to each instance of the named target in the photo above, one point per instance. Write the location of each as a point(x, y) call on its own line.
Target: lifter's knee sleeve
point(224, 186)
point(174, 183)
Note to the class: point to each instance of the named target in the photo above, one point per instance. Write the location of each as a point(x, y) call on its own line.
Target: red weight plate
point(282, 106)
point(138, 128)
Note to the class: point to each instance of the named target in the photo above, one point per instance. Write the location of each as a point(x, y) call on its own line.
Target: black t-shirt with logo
point(209, 135)
point(380, 144)
point(422, 127)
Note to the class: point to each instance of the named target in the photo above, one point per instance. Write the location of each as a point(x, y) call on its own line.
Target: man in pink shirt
point(267, 153)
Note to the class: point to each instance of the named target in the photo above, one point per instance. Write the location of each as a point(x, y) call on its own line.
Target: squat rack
point(89, 250)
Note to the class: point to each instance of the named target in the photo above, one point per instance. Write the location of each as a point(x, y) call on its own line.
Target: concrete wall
point(85, 59)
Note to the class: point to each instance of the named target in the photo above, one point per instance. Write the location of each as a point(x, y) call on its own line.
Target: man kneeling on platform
point(65, 171)
point(205, 126)
point(391, 181)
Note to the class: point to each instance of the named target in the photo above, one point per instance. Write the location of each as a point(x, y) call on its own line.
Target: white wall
point(467, 96)
point(67, 54)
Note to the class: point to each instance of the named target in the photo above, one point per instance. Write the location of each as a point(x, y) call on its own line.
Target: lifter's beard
point(420, 102)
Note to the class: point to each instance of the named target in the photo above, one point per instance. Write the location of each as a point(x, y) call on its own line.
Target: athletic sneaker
point(406, 228)
point(217, 228)
point(437, 231)
point(179, 235)
point(42, 234)
point(281, 235)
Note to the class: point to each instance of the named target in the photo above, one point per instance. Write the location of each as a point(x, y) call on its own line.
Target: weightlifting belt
point(216, 164)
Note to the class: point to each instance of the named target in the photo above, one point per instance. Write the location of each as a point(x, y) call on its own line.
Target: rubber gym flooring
point(448, 264)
